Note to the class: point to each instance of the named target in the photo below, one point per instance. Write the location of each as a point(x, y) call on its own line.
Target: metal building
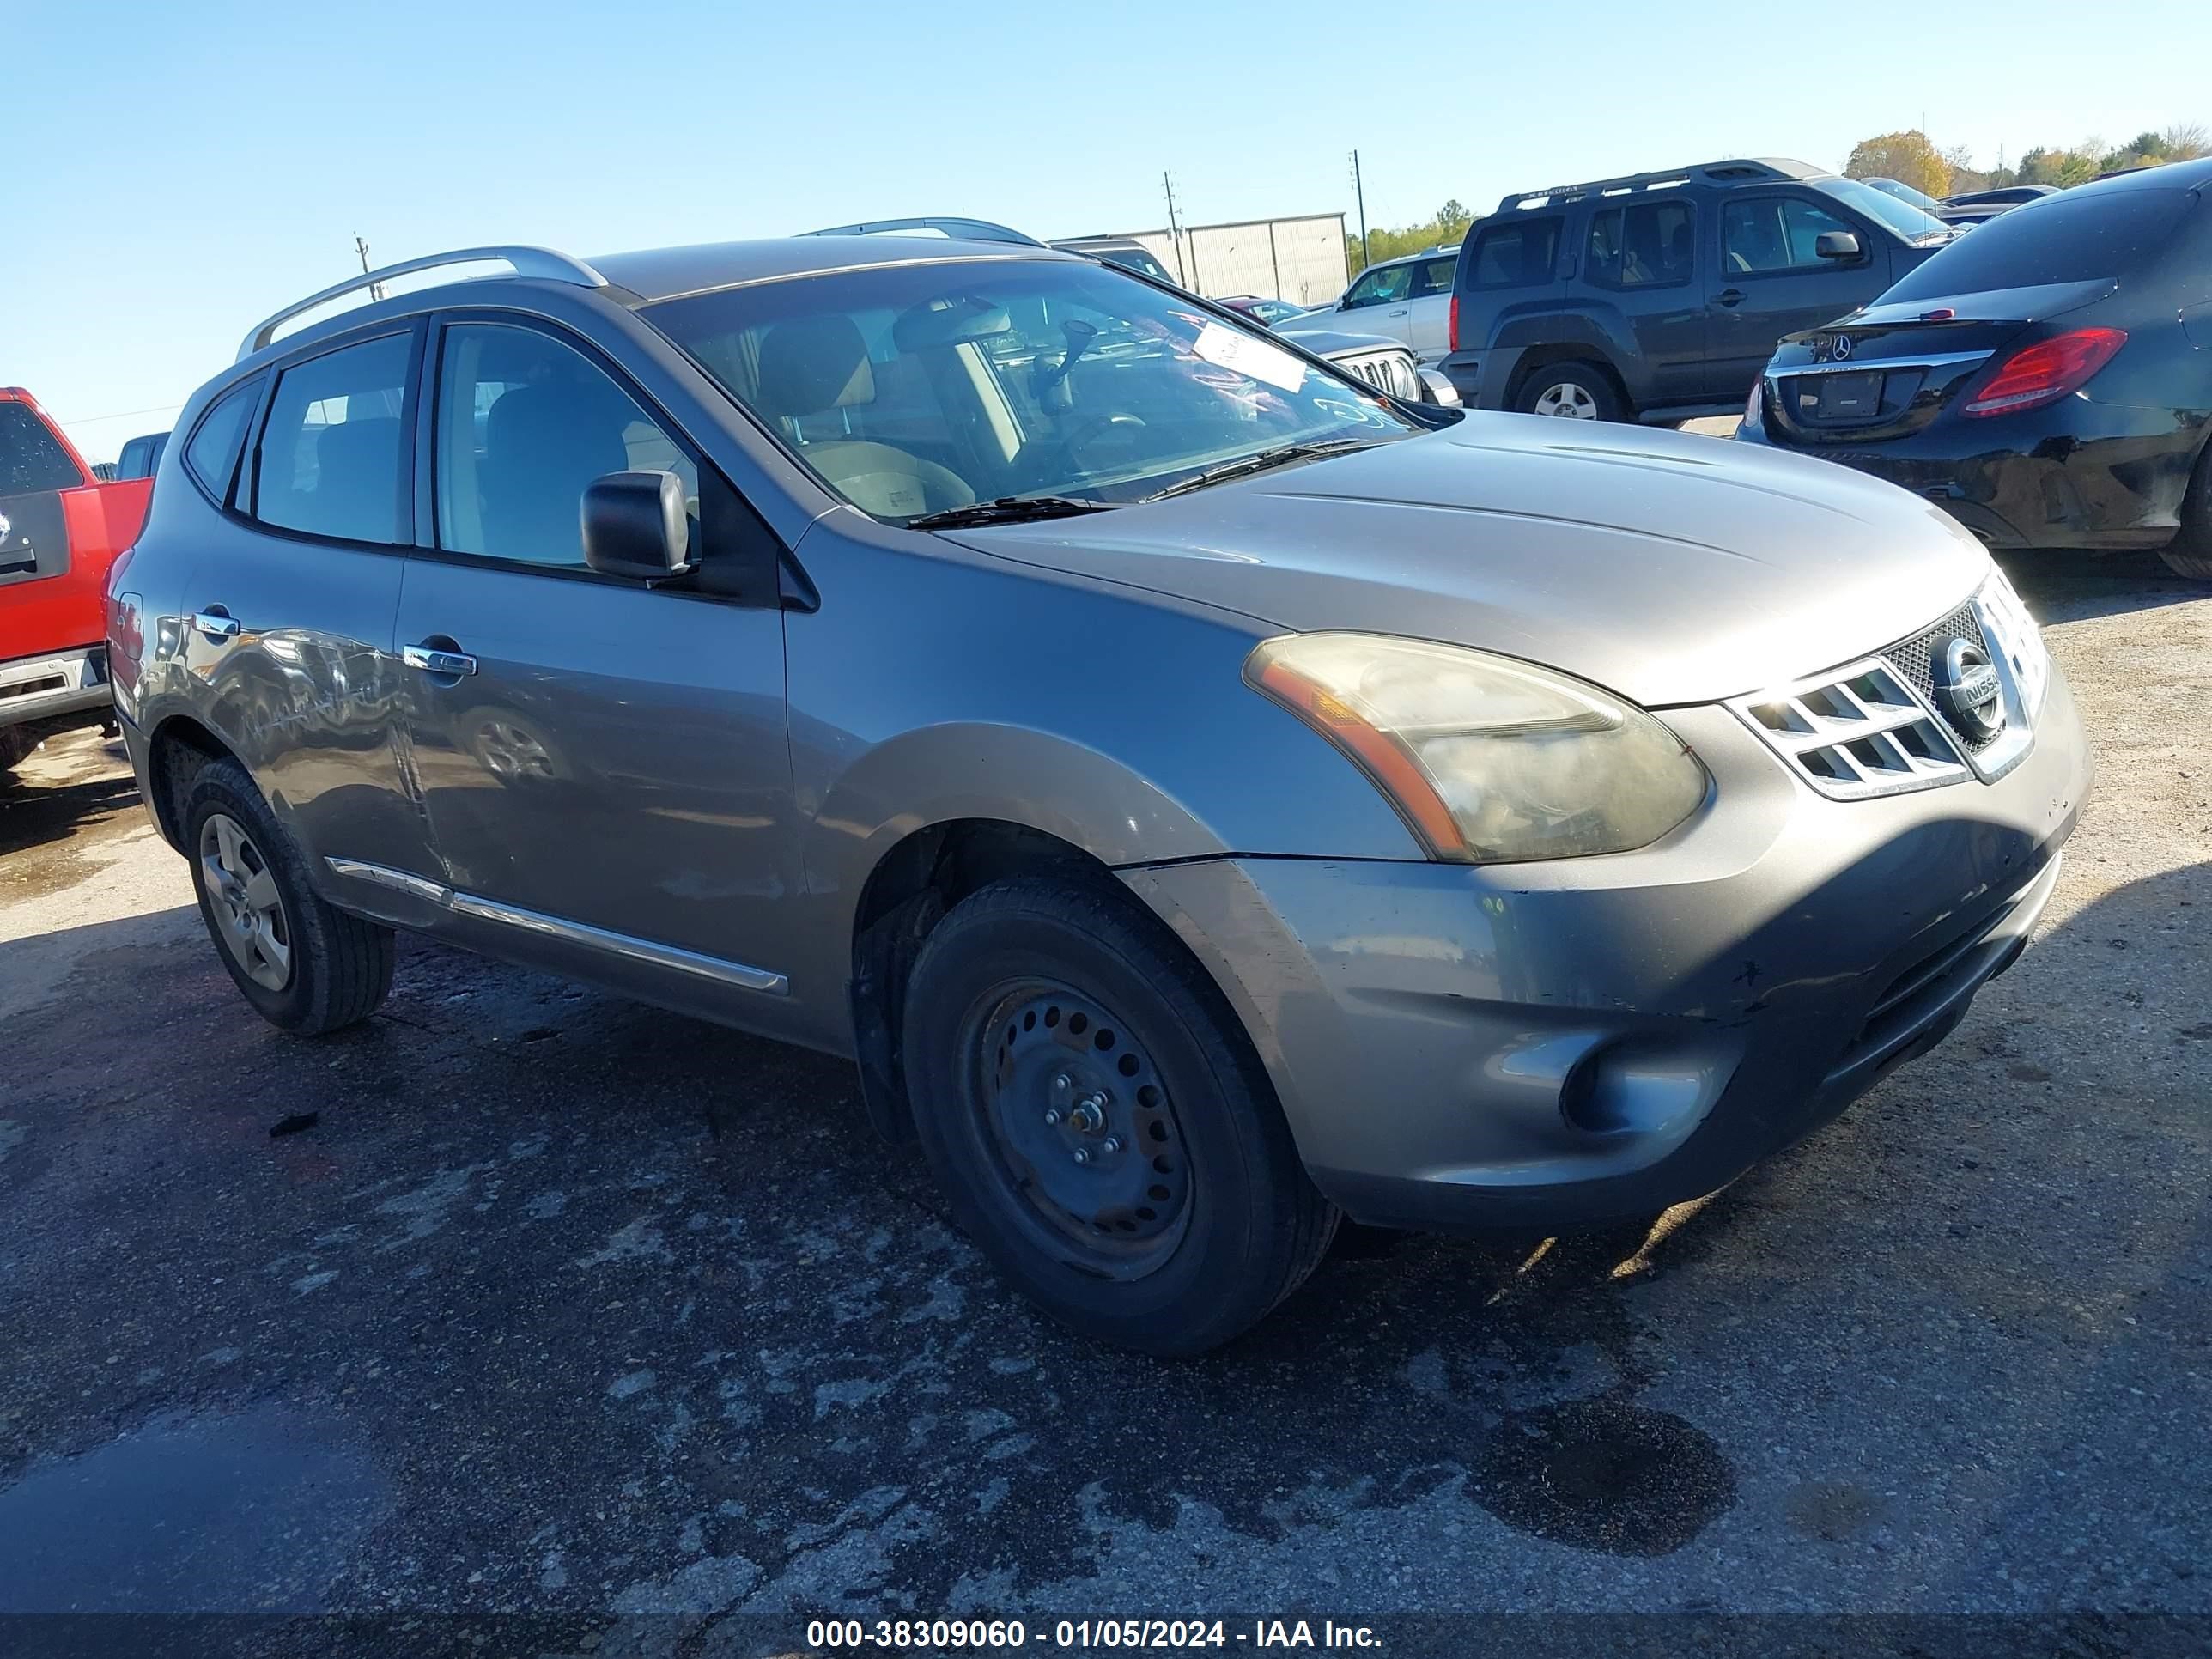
point(1300, 260)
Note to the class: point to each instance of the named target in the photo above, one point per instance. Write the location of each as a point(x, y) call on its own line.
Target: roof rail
point(525, 262)
point(966, 230)
point(1710, 171)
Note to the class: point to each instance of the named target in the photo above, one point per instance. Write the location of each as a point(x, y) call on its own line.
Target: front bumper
point(1585, 1040)
point(51, 688)
point(2076, 475)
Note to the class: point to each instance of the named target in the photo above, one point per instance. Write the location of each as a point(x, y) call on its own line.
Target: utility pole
point(361, 246)
point(1359, 191)
point(1174, 232)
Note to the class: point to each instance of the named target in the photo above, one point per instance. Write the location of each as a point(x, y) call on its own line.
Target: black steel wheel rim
point(1082, 1128)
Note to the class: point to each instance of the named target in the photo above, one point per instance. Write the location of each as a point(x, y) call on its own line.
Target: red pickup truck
point(60, 531)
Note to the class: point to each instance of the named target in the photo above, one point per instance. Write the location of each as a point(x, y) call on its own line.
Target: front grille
point(1855, 732)
point(1389, 372)
point(1915, 660)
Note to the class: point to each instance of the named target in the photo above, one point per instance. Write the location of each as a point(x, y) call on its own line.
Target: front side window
point(31, 457)
point(331, 457)
point(1651, 245)
point(1516, 255)
point(912, 389)
point(1769, 234)
point(525, 423)
point(1380, 286)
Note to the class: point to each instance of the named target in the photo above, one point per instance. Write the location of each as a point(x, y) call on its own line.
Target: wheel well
point(907, 894)
point(174, 754)
point(1543, 357)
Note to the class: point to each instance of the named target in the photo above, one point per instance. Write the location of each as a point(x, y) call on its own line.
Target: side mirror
point(635, 526)
point(1838, 245)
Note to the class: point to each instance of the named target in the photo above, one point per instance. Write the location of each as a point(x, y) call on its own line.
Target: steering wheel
point(1087, 430)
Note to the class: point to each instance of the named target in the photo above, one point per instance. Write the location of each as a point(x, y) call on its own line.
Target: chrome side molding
point(384, 876)
point(627, 945)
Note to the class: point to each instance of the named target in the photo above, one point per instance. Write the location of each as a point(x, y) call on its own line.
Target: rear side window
point(1516, 255)
point(212, 455)
point(330, 456)
point(31, 457)
point(1434, 276)
point(1650, 244)
point(2060, 239)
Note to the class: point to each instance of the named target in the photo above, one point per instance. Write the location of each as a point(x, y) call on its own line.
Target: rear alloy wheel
point(306, 966)
point(2190, 553)
point(1099, 1122)
point(1574, 391)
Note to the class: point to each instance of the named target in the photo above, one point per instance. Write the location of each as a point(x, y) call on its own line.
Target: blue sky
point(176, 172)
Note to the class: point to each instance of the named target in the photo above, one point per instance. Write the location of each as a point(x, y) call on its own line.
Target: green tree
point(1908, 157)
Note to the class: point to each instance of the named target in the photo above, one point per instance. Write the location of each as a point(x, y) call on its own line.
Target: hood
point(1670, 567)
point(1328, 342)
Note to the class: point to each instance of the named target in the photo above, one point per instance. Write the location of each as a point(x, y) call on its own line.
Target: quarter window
point(331, 456)
point(1776, 232)
point(1516, 255)
point(212, 455)
point(525, 423)
point(1651, 245)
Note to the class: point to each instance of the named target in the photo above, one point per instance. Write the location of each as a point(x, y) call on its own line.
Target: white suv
point(1409, 298)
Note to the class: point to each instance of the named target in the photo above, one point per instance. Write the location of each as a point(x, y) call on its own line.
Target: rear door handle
point(217, 624)
point(1730, 297)
point(433, 661)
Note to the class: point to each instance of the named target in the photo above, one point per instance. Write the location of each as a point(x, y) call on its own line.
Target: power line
point(121, 414)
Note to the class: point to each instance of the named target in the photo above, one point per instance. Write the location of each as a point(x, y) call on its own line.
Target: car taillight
point(2046, 371)
point(1452, 337)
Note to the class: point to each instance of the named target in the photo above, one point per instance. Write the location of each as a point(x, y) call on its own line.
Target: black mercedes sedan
point(2046, 381)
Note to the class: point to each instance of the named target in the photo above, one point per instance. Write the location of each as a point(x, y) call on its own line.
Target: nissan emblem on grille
point(1966, 685)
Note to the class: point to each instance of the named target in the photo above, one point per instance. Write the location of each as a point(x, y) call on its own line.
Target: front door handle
point(1399, 311)
point(1730, 297)
point(431, 660)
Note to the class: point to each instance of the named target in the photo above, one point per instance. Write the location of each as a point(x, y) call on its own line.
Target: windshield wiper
point(1007, 509)
point(1281, 455)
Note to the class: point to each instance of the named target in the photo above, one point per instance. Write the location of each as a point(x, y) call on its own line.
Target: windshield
point(1904, 193)
point(2059, 238)
point(913, 389)
point(1136, 259)
point(1907, 221)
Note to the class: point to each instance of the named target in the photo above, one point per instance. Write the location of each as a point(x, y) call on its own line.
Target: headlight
point(1489, 760)
point(2015, 637)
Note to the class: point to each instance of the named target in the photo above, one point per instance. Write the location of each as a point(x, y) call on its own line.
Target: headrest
point(813, 363)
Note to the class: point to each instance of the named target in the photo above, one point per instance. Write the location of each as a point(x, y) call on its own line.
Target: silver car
point(1206, 796)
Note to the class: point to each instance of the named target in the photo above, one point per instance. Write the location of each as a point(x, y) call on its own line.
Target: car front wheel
point(305, 966)
point(1099, 1123)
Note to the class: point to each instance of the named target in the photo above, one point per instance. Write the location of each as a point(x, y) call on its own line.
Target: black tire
point(339, 968)
point(1548, 389)
point(2190, 553)
point(1242, 1226)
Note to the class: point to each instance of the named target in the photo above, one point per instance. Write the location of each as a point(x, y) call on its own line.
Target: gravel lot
point(562, 1304)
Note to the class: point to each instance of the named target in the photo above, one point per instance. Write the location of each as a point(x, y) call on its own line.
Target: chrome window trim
point(627, 945)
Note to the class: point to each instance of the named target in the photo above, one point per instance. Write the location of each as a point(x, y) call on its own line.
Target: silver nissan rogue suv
point(1206, 796)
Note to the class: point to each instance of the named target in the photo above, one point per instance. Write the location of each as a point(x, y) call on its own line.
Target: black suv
point(1659, 296)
